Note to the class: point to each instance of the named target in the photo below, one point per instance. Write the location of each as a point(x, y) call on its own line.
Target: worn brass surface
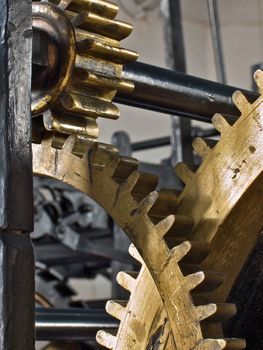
point(84, 64)
point(220, 205)
point(224, 196)
point(149, 218)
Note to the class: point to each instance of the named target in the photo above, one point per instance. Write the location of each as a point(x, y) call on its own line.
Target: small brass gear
point(148, 218)
point(83, 72)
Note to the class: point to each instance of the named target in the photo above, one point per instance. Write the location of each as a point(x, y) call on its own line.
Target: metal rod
point(217, 42)
point(17, 307)
point(149, 144)
point(166, 140)
point(72, 324)
point(170, 92)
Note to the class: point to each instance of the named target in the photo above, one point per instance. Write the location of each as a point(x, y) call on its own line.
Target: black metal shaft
point(165, 91)
point(16, 199)
point(153, 143)
point(72, 324)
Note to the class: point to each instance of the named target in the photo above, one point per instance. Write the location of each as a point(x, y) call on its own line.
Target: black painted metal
point(153, 143)
point(165, 91)
point(166, 140)
point(16, 209)
point(72, 324)
point(16, 200)
point(17, 306)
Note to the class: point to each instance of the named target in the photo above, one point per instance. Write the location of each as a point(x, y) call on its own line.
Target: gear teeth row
point(116, 309)
point(241, 102)
point(140, 205)
point(100, 25)
point(221, 184)
point(203, 147)
point(186, 172)
point(100, 7)
point(220, 123)
point(134, 314)
point(97, 74)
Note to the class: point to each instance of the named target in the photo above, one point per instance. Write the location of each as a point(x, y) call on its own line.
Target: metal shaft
point(217, 42)
point(165, 91)
point(72, 324)
point(17, 308)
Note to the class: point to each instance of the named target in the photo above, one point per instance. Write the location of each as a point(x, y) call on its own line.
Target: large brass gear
point(147, 217)
point(208, 209)
point(84, 68)
point(228, 189)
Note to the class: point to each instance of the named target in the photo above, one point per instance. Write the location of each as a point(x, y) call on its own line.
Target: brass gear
point(228, 190)
point(144, 323)
point(147, 217)
point(84, 66)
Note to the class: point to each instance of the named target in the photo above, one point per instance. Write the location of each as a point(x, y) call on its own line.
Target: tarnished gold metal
point(220, 205)
point(148, 217)
point(84, 65)
point(224, 196)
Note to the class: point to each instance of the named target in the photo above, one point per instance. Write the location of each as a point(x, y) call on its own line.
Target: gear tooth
point(148, 202)
point(165, 225)
point(192, 281)
point(69, 144)
point(240, 101)
point(146, 184)
point(126, 280)
point(211, 344)
point(101, 25)
point(100, 7)
point(116, 309)
point(84, 127)
point(180, 251)
point(183, 226)
point(131, 181)
point(258, 76)
point(88, 106)
point(106, 339)
point(201, 147)
point(212, 282)
point(223, 313)
point(124, 168)
point(235, 344)
point(220, 123)
point(64, 4)
point(47, 142)
point(135, 254)
point(97, 49)
point(198, 252)
point(184, 172)
point(205, 311)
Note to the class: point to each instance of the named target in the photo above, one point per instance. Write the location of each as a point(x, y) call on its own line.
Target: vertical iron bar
point(16, 199)
point(217, 42)
point(181, 128)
